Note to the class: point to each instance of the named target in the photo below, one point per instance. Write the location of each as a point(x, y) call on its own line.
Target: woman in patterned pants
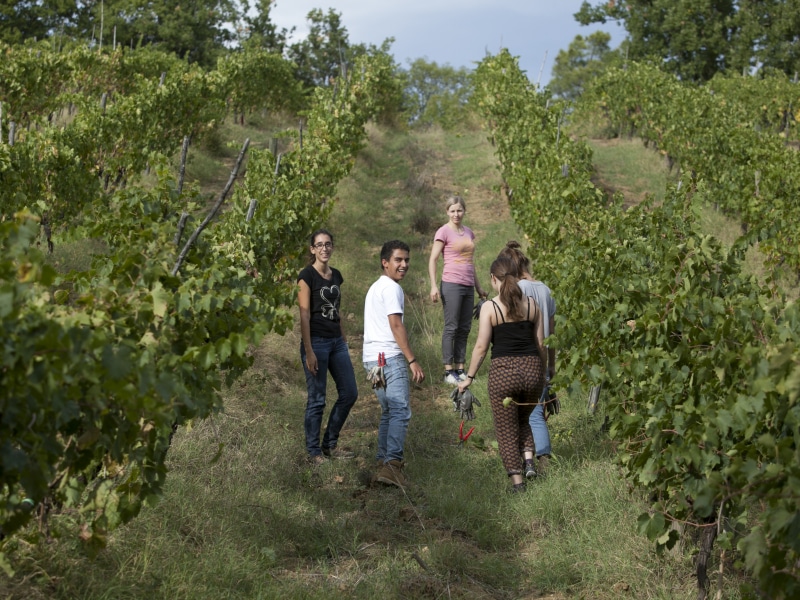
point(512, 325)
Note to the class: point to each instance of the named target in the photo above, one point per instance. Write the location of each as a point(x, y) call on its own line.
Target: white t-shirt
point(541, 294)
point(385, 297)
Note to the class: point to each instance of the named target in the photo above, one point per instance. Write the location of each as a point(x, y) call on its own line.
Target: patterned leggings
point(521, 378)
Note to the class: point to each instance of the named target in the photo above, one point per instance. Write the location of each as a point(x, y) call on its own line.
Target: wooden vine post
point(214, 210)
point(181, 176)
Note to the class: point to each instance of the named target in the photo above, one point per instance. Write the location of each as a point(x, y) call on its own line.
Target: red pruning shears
point(375, 375)
point(461, 437)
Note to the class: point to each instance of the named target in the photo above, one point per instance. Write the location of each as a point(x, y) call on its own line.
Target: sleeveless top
point(513, 339)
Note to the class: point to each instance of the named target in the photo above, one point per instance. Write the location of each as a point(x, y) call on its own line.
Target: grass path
point(245, 516)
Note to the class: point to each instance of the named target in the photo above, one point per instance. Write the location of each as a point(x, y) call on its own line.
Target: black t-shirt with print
point(325, 297)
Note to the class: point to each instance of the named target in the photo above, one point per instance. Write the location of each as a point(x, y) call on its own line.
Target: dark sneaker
point(391, 473)
point(338, 453)
point(518, 488)
point(530, 470)
point(450, 378)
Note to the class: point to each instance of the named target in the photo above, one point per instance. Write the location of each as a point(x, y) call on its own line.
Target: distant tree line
point(199, 31)
point(203, 31)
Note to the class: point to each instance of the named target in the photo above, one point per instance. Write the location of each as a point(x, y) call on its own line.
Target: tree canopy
point(21, 20)
point(698, 38)
point(436, 93)
point(320, 55)
point(197, 30)
point(257, 28)
point(585, 59)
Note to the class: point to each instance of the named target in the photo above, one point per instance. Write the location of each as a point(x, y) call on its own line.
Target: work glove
point(476, 311)
point(552, 405)
point(454, 398)
point(466, 401)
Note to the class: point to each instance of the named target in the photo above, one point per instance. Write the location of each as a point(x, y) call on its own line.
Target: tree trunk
point(706, 545)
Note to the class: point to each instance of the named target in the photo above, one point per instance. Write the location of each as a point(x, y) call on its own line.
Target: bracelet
point(412, 361)
point(471, 376)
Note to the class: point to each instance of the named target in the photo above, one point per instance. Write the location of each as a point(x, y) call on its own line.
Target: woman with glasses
point(323, 349)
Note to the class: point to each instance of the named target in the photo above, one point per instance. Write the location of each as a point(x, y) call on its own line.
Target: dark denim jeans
point(332, 355)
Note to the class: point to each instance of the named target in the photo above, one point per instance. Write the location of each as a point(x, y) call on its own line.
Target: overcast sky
point(456, 32)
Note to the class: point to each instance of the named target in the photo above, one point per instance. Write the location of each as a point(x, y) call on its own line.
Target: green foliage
point(321, 56)
point(259, 79)
point(770, 99)
point(130, 104)
point(697, 39)
point(771, 27)
point(196, 31)
point(259, 31)
point(698, 363)
point(58, 169)
point(436, 93)
point(32, 78)
point(585, 59)
point(750, 171)
point(100, 366)
point(389, 94)
point(20, 21)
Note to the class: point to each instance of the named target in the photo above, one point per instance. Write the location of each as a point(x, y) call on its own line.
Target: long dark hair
point(520, 263)
point(510, 294)
point(312, 240)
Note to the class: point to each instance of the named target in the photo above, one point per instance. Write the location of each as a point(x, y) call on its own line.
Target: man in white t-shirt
point(385, 333)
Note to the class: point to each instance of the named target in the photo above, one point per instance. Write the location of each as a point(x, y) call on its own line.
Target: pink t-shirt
point(458, 252)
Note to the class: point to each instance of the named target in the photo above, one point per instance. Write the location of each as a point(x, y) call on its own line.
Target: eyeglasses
point(321, 245)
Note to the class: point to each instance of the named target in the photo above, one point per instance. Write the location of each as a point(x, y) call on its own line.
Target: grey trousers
point(457, 301)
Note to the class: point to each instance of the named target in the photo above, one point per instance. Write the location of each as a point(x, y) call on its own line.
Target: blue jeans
point(395, 403)
point(457, 301)
point(332, 355)
point(541, 435)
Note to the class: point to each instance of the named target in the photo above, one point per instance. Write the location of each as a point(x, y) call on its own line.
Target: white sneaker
point(451, 378)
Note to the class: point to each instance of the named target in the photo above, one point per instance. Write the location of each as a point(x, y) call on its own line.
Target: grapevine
point(751, 172)
point(99, 366)
point(698, 362)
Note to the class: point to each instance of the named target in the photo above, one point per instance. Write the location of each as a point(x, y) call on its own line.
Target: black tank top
point(513, 339)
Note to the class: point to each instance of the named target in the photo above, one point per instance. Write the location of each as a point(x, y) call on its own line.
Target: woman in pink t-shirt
point(456, 244)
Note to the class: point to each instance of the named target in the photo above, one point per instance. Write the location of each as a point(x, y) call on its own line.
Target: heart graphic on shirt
point(330, 301)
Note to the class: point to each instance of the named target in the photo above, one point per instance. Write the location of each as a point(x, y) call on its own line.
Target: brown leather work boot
point(391, 473)
point(378, 467)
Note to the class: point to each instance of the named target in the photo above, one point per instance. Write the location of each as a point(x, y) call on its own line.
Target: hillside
point(245, 516)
